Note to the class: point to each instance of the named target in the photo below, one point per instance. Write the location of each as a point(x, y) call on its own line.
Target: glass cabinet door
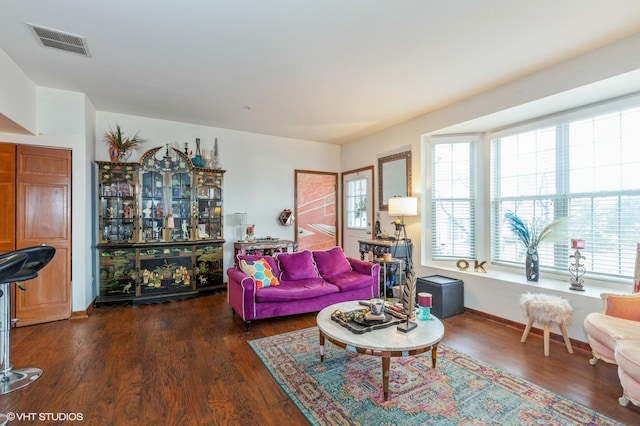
point(152, 217)
point(209, 206)
point(117, 207)
point(179, 223)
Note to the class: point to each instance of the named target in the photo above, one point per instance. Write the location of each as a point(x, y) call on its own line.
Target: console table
point(264, 247)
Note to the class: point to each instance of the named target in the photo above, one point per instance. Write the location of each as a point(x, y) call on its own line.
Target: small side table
point(401, 249)
point(386, 265)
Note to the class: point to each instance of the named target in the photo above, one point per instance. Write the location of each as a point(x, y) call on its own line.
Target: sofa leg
point(593, 360)
point(247, 326)
point(623, 400)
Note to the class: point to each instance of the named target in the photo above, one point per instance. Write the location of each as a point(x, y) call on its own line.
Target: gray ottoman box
point(447, 294)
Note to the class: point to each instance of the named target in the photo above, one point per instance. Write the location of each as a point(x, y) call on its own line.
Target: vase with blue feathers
point(531, 234)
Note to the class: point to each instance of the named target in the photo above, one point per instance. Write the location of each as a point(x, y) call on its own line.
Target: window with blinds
point(586, 169)
point(453, 197)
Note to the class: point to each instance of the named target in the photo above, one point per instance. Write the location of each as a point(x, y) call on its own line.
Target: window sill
point(497, 292)
point(548, 281)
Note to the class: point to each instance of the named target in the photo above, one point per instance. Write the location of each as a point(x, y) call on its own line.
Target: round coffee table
point(385, 342)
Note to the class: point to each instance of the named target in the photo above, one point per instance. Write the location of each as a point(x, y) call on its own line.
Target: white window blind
point(453, 197)
point(586, 169)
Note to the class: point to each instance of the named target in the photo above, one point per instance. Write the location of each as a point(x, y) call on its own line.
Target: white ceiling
point(323, 70)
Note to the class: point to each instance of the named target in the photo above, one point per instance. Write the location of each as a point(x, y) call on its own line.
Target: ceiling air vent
point(59, 40)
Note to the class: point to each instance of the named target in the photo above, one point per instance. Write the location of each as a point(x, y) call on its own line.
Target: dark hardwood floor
point(188, 363)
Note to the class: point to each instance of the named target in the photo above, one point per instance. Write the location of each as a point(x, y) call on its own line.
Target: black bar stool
point(17, 266)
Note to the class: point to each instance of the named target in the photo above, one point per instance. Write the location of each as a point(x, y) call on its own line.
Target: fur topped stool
point(547, 310)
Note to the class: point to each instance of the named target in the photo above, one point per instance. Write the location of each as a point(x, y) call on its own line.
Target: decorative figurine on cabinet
point(185, 230)
point(250, 235)
point(147, 210)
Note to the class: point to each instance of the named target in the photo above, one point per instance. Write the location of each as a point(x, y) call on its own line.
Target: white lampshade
point(403, 206)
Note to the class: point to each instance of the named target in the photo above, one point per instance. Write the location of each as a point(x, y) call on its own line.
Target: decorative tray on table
point(356, 322)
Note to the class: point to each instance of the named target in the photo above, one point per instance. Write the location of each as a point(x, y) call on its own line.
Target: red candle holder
point(424, 300)
point(577, 244)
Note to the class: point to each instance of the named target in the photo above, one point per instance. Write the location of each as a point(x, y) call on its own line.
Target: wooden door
point(43, 216)
point(316, 217)
point(7, 197)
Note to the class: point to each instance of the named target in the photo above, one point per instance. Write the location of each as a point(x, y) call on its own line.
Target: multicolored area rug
point(346, 389)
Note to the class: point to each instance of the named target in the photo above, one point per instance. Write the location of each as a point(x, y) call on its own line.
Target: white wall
point(260, 169)
point(576, 80)
point(17, 98)
point(64, 119)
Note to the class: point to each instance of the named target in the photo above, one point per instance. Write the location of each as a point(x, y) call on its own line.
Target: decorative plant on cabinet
point(120, 146)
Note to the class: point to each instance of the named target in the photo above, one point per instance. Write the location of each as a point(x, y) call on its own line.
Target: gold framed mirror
point(394, 177)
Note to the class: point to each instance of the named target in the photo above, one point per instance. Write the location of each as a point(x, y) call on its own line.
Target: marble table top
point(386, 339)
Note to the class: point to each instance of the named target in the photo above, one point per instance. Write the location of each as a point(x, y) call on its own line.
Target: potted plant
point(531, 235)
point(119, 145)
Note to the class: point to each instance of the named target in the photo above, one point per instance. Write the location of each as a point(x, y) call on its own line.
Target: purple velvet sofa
point(308, 282)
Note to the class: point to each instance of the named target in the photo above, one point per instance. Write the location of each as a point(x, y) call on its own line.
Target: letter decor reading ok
point(463, 265)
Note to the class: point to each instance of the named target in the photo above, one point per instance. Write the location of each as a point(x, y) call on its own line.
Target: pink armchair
point(618, 320)
point(614, 336)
